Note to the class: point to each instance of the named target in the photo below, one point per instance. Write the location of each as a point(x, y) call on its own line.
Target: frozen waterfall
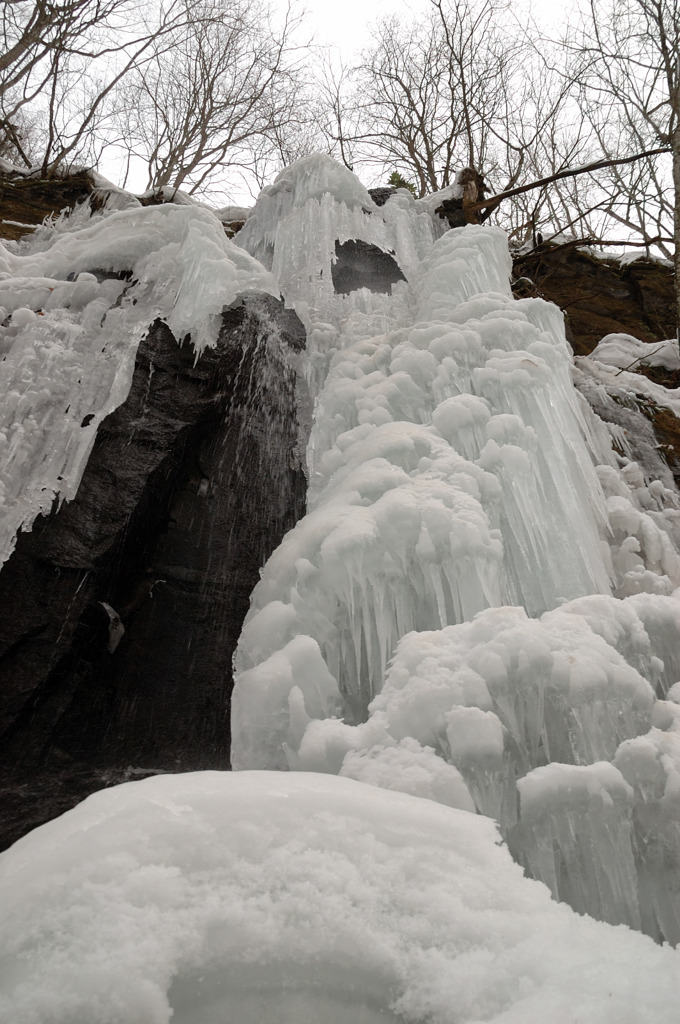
point(480, 606)
point(480, 612)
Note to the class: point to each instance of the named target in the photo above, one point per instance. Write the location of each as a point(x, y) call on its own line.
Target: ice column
point(575, 835)
point(447, 459)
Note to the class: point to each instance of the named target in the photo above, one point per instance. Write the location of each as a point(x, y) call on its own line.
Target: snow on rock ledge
point(258, 896)
point(71, 319)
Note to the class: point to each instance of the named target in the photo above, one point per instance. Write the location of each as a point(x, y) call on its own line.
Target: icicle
point(575, 835)
point(651, 765)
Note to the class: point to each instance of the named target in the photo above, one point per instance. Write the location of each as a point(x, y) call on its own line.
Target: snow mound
point(623, 350)
point(259, 896)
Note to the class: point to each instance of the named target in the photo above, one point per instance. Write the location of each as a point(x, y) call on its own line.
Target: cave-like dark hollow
point(359, 264)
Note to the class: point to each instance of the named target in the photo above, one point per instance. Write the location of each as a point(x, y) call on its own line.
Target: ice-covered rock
point(72, 315)
point(149, 476)
point(314, 206)
point(571, 816)
point(624, 351)
point(480, 609)
point(650, 764)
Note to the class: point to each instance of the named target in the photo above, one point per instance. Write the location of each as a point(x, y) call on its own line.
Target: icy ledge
point(71, 319)
point(256, 897)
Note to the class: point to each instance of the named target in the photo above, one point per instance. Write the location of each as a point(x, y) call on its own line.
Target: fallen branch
point(569, 172)
point(628, 241)
point(551, 246)
point(639, 359)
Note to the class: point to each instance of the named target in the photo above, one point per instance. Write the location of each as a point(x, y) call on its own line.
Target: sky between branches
point(347, 23)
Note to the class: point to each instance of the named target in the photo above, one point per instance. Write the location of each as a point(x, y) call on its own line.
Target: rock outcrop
point(359, 264)
point(599, 296)
point(121, 609)
point(26, 201)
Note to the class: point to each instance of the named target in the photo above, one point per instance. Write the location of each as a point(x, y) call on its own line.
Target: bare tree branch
point(569, 172)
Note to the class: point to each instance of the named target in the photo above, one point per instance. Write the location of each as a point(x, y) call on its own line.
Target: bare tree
point(64, 62)
point(40, 40)
point(631, 89)
point(467, 87)
point(19, 143)
point(223, 95)
point(337, 112)
point(461, 86)
point(426, 92)
point(32, 31)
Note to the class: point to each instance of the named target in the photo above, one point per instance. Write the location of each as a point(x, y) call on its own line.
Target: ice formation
point(478, 618)
point(481, 605)
point(73, 308)
point(255, 896)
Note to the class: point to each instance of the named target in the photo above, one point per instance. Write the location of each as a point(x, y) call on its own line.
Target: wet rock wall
point(120, 611)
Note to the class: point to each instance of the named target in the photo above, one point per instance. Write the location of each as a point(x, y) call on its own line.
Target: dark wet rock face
point(359, 264)
point(382, 194)
point(451, 210)
point(190, 486)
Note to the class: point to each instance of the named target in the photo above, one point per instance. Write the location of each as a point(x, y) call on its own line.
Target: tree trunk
point(675, 143)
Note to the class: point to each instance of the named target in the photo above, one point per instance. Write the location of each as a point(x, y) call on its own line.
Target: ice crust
point(72, 313)
point(256, 896)
point(487, 591)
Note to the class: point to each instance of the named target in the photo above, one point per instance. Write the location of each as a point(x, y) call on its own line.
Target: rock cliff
point(121, 609)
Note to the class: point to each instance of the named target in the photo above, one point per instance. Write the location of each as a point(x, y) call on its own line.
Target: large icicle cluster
point(427, 626)
point(72, 312)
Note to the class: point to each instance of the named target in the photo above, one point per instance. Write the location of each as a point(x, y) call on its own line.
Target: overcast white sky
point(347, 23)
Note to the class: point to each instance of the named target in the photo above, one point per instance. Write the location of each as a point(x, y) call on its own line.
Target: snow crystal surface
point(71, 317)
point(256, 896)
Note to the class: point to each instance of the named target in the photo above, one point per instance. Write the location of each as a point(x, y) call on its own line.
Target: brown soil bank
point(25, 202)
point(599, 296)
